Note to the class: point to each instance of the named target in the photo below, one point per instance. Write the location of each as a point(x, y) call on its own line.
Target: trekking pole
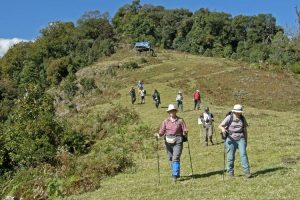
point(215, 134)
point(200, 134)
point(200, 123)
point(157, 154)
point(190, 157)
point(224, 169)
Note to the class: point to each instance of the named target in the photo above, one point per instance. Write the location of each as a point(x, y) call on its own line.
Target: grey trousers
point(208, 133)
point(174, 150)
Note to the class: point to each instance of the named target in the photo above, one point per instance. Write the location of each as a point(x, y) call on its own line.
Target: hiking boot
point(174, 179)
point(230, 174)
point(248, 175)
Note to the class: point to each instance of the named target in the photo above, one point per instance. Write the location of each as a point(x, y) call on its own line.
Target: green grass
point(271, 102)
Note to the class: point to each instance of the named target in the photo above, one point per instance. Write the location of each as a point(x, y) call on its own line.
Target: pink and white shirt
point(176, 127)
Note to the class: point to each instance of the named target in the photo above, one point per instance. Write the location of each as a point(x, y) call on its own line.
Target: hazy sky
point(23, 19)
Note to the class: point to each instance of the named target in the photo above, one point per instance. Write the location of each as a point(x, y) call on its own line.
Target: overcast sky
point(23, 19)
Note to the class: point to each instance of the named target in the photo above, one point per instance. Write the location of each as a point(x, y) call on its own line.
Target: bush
point(69, 86)
point(88, 84)
point(32, 134)
point(100, 48)
point(57, 69)
point(142, 60)
point(295, 68)
point(131, 65)
point(227, 52)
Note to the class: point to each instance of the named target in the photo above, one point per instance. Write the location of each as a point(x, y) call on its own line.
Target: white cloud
point(5, 44)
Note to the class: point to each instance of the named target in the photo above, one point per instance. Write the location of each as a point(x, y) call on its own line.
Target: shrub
point(57, 69)
point(100, 48)
point(227, 52)
point(142, 60)
point(131, 65)
point(32, 134)
point(88, 84)
point(295, 68)
point(69, 86)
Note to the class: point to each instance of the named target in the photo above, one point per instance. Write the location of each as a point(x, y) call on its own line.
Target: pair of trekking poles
point(191, 164)
point(158, 168)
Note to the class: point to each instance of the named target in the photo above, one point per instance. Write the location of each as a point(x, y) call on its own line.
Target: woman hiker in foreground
point(234, 130)
point(175, 131)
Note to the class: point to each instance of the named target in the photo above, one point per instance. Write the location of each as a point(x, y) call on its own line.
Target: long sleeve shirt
point(177, 127)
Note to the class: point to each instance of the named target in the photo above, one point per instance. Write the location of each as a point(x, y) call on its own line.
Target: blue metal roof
point(142, 45)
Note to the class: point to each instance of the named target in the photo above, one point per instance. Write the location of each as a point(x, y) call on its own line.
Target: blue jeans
point(232, 146)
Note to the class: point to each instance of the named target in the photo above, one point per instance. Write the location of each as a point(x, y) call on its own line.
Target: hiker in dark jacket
point(174, 130)
point(132, 94)
point(234, 126)
point(156, 98)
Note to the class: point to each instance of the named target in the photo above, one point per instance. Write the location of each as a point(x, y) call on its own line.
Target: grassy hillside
point(271, 103)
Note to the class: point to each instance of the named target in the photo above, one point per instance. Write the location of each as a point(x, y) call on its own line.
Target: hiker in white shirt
point(207, 119)
point(179, 100)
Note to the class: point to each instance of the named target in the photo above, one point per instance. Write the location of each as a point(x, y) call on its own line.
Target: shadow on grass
point(268, 170)
point(196, 176)
point(220, 172)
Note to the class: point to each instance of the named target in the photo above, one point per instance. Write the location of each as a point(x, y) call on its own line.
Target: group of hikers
point(141, 90)
point(142, 94)
point(175, 132)
point(156, 97)
point(233, 131)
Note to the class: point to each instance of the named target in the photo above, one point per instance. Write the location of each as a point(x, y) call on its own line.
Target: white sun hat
point(171, 107)
point(237, 108)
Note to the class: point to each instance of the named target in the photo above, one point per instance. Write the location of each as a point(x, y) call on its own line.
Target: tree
point(58, 39)
point(281, 53)
point(210, 29)
point(94, 25)
point(32, 134)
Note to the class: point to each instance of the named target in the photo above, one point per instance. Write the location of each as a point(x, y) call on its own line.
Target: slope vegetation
point(271, 103)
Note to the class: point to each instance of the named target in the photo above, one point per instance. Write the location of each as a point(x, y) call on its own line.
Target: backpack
point(230, 121)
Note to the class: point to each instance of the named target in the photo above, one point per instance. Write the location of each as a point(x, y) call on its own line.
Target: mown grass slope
point(271, 103)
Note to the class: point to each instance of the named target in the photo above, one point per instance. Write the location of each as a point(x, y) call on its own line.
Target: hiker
point(156, 98)
point(197, 99)
point(132, 95)
point(142, 95)
point(179, 99)
point(140, 85)
point(175, 132)
point(234, 130)
point(207, 119)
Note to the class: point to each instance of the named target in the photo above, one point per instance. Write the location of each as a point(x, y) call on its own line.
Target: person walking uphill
point(234, 129)
point(197, 99)
point(207, 119)
point(174, 129)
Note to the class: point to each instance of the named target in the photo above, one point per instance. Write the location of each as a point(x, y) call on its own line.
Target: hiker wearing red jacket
point(197, 99)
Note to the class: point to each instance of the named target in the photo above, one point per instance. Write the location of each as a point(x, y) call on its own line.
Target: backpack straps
point(231, 119)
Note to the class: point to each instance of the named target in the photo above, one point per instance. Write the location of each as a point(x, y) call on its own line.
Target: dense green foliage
point(251, 38)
